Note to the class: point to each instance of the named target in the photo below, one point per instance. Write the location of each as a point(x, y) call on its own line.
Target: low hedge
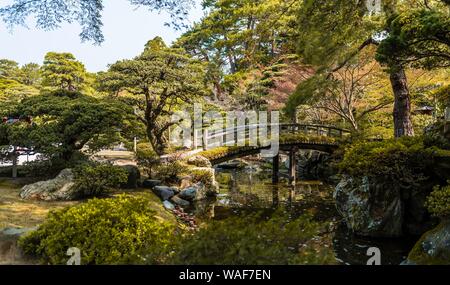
point(121, 230)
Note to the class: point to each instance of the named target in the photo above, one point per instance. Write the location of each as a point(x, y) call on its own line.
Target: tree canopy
point(66, 122)
point(63, 71)
point(155, 82)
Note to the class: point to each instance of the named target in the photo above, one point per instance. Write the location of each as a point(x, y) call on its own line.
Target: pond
point(246, 191)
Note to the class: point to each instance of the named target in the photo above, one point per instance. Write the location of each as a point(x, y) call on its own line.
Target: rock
point(164, 192)
point(208, 188)
point(16, 231)
point(60, 188)
point(198, 192)
point(134, 177)
point(169, 206)
point(186, 182)
point(10, 253)
point(150, 183)
point(433, 248)
point(370, 208)
point(199, 161)
point(212, 186)
point(379, 208)
point(189, 193)
point(179, 201)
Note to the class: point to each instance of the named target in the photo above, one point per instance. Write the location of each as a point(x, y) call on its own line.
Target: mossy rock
point(434, 247)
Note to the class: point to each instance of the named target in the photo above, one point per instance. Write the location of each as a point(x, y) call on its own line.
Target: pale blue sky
point(126, 30)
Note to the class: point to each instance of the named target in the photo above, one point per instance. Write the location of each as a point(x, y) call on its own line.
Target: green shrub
point(122, 230)
point(171, 172)
point(95, 179)
point(47, 168)
point(44, 168)
point(254, 241)
point(147, 158)
point(203, 176)
point(402, 161)
point(438, 203)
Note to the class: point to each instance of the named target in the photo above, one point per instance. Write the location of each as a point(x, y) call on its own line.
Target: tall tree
point(156, 82)
point(351, 93)
point(50, 14)
point(30, 74)
point(333, 32)
point(237, 36)
point(63, 71)
point(64, 123)
point(9, 69)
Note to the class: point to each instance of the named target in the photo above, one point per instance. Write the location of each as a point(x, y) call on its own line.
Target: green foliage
point(156, 82)
point(254, 240)
point(402, 161)
point(66, 122)
point(121, 230)
point(95, 179)
point(203, 176)
point(219, 152)
point(171, 172)
point(147, 158)
point(63, 71)
point(438, 203)
point(44, 168)
point(418, 37)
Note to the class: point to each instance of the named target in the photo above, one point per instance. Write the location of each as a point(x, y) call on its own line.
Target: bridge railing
point(231, 136)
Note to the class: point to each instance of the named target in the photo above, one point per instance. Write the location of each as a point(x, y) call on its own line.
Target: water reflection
point(245, 192)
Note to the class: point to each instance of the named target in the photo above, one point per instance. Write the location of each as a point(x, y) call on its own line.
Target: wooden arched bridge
point(224, 145)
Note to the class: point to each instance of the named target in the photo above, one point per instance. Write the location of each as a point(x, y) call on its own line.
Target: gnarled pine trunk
point(402, 107)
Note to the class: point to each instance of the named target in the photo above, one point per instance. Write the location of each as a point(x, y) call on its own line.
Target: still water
point(245, 191)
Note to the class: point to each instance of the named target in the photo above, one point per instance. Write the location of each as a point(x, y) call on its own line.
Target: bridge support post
point(292, 166)
point(276, 169)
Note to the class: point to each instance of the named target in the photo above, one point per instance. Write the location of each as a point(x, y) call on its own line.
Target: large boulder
point(164, 192)
point(433, 248)
point(179, 201)
point(61, 188)
point(10, 253)
point(209, 186)
point(197, 192)
point(370, 209)
point(378, 208)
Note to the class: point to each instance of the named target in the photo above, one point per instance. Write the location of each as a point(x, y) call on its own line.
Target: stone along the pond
point(375, 208)
point(368, 209)
point(433, 248)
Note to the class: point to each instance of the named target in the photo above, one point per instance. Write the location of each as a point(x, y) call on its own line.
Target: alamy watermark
point(374, 6)
point(75, 256)
point(234, 128)
point(375, 256)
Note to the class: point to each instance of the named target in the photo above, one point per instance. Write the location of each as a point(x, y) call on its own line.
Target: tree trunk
point(158, 142)
point(402, 107)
